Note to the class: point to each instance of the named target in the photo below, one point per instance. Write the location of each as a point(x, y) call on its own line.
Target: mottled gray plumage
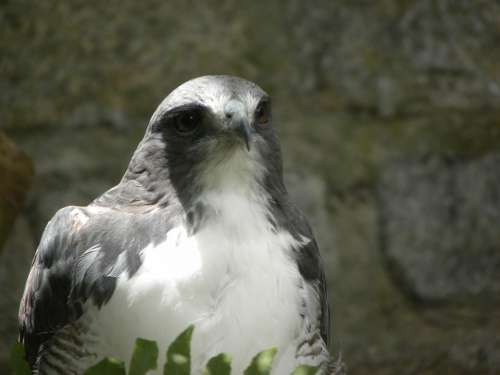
point(85, 249)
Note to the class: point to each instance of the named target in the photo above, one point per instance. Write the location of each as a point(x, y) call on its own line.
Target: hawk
point(200, 230)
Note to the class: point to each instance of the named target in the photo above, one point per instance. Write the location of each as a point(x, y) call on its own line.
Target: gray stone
point(439, 228)
point(16, 172)
point(389, 57)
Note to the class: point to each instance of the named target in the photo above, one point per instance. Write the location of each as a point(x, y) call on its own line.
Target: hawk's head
point(216, 132)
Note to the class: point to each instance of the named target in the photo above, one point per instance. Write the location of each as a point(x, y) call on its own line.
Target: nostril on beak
point(234, 109)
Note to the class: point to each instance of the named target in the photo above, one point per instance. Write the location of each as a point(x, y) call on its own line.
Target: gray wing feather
point(70, 267)
point(308, 258)
point(45, 307)
point(80, 256)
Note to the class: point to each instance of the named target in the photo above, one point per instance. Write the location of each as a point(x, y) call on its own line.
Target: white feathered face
point(217, 128)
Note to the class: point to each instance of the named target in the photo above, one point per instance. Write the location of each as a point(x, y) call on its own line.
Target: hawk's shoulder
point(81, 254)
point(44, 307)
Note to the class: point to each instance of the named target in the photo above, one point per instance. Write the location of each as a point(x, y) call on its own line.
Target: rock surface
point(16, 172)
point(439, 225)
point(116, 58)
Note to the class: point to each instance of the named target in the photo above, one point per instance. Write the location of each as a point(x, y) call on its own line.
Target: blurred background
point(389, 116)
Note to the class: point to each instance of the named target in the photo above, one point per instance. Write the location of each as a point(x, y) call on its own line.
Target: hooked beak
point(237, 121)
point(243, 130)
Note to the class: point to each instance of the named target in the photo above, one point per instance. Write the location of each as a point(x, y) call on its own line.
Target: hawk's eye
point(263, 113)
point(187, 122)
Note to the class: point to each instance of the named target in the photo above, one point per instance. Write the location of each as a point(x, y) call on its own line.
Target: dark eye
point(263, 112)
point(187, 122)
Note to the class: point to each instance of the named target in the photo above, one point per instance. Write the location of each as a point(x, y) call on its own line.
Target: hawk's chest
point(235, 279)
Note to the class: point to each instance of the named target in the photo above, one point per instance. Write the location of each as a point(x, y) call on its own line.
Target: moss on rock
point(16, 172)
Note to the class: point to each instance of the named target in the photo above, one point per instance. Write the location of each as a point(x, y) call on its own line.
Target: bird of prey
point(200, 230)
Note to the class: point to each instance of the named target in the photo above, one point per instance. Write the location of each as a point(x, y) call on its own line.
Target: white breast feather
point(234, 279)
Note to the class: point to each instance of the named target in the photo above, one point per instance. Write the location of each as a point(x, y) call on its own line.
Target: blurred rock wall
point(16, 172)
point(71, 63)
point(389, 115)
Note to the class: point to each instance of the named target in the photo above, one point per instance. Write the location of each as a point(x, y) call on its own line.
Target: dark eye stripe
point(168, 118)
point(263, 112)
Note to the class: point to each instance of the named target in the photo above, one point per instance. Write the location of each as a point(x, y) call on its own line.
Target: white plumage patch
point(234, 279)
point(178, 257)
point(229, 279)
